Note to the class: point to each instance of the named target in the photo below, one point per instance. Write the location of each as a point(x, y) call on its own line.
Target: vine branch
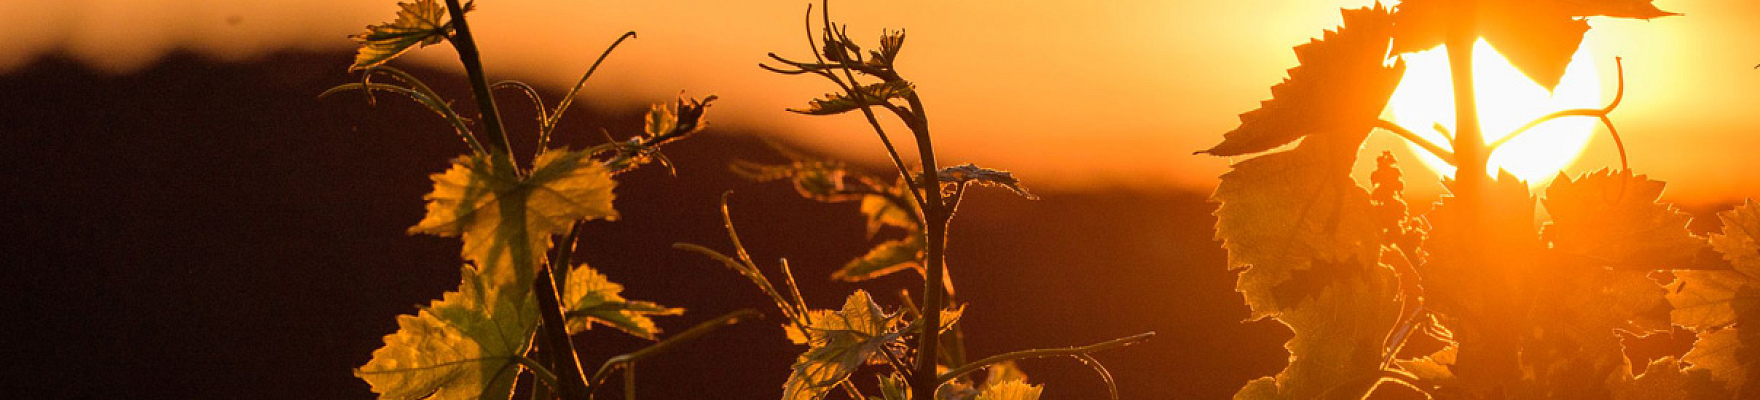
point(499, 147)
point(628, 360)
point(1409, 136)
point(1080, 352)
point(1619, 95)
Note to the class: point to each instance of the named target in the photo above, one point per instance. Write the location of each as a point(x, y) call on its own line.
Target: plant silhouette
point(1517, 312)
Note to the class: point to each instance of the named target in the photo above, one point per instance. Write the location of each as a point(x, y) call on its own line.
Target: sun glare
point(1507, 100)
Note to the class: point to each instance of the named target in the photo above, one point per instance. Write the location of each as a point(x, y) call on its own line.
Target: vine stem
point(567, 368)
point(565, 361)
point(499, 148)
point(935, 216)
point(629, 360)
point(1469, 141)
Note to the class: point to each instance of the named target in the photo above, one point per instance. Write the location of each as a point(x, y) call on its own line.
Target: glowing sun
point(1507, 99)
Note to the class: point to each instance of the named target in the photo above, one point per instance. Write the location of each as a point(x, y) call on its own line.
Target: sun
point(1507, 100)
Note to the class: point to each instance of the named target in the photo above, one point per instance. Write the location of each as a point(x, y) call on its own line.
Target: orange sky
point(1068, 94)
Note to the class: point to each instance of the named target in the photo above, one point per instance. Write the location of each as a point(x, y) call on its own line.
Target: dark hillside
point(214, 231)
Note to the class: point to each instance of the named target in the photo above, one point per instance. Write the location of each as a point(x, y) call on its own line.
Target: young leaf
point(838, 343)
point(885, 258)
point(421, 23)
point(984, 177)
point(890, 44)
point(818, 180)
point(463, 346)
point(1006, 371)
point(896, 210)
point(678, 118)
point(589, 298)
point(1011, 390)
point(1336, 93)
point(506, 220)
point(865, 95)
point(893, 388)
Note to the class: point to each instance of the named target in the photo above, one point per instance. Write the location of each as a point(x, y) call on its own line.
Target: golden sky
point(1068, 94)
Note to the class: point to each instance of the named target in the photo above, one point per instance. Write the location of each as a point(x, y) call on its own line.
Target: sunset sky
point(1069, 94)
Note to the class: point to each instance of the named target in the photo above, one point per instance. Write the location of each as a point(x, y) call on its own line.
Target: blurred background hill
point(206, 229)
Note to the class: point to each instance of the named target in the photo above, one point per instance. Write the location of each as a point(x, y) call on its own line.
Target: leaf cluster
point(519, 301)
point(1517, 312)
point(918, 350)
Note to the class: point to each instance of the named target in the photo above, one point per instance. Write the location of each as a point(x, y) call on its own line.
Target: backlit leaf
point(1282, 213)
point(506, 220)
point(1612, 219)
point(1537, 36)
point(885, 258)
point(1006, 371)
point(1337, 92)
point(1665, 379)
point(838, 343)
point(983, 177)
point(1011, 390)
point(1723, 306)
point(590, 298)
point(895, 211)
point(866, 95)
point(1337, 349)
point(678, 118)
point(817, 180)
point(1731, 356)
point(420, 23)
point(1710, 299)
point(1538, 43)
point(463, 346)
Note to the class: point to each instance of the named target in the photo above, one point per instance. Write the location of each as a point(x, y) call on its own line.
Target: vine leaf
point(1011, 390)
point(506, 220)
point(882, 205)
point(678, 118)
point(817, 180)
point(1723, 306)
point(864, 96)
point(1477, 251)
point(885, 258)
point(591, 298)
point(893, 388)
point(983, 177)
point(890, 43)
point(1730, 356)
point(1665, 379)
point(1337, 92)
point(1283, 213)
point(838, 342)
point(895, 211)
point(1607, 232)
point(1612, 219)
point(1709, 299)
point(1337, 349)
point(463, 346)
point(420, 23)
point(1538, 36)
